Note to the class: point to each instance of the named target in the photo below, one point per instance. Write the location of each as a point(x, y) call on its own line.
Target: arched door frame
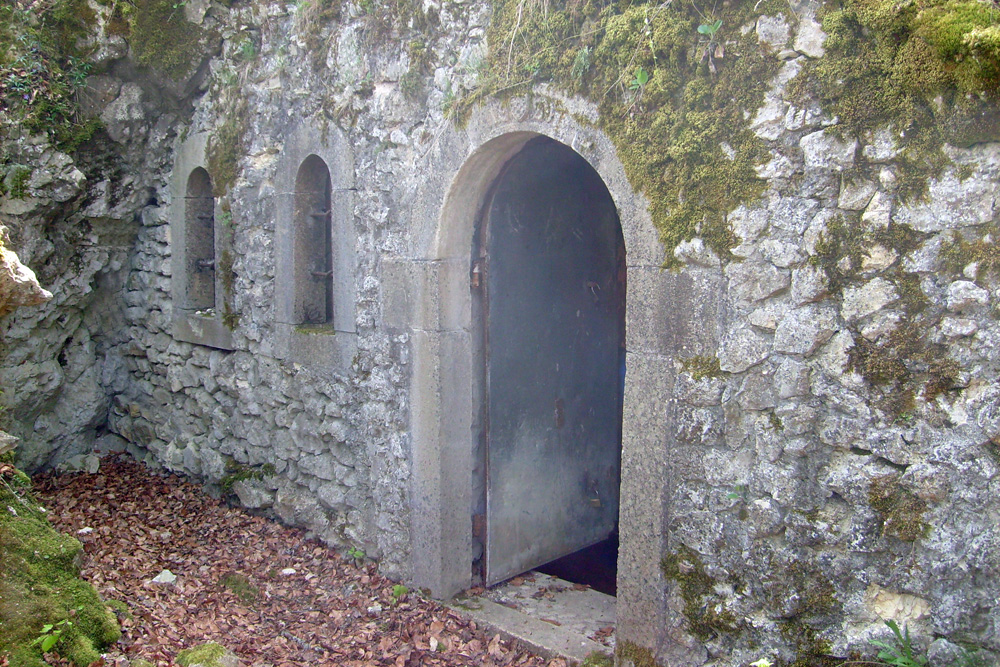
point(446, 386)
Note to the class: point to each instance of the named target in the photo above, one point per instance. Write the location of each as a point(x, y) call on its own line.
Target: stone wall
point(809, 422)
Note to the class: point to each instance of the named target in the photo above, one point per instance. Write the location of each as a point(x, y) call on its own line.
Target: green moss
point(240, 586)
point(640, 656)
point(15, 181)
point(316, 329)
point(225, 148)
point(163, 39)
point(901, 511)
point(703, 608)
point(983, 251)
point(810, 649)
point(910, 66)
point(237, 472)
point(40, 584)
point(207, 654)
point(699, 367)
point(598, 659)
point(680, 128)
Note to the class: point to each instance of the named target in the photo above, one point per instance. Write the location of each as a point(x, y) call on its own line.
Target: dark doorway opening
point(595, 566)
point(549, 274)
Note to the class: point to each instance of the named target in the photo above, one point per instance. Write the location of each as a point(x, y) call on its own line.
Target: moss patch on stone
point(900, 510)
point(700, 367)
point(40, 584)
point(703, 608)
point(207, 654)
point(927, 69)
point(675, 101)
point(983, 251)
point(238, 472)
point(640, 656)
point(226, 148)
point(162, 38)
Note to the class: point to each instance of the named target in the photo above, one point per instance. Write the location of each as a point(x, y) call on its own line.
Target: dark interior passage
point(595, 566)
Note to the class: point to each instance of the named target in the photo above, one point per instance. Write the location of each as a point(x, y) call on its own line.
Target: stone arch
point(312, 253)
point(446, 388)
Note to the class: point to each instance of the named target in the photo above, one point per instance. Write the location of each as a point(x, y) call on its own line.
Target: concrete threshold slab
point(553, 617)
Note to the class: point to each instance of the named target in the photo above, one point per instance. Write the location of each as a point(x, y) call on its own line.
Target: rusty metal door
point(554, 322)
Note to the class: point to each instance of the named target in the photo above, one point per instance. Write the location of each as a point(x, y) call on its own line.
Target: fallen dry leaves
point(135, 524)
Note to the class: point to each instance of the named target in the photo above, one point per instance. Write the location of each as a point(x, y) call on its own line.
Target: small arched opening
point(312, 254)
point(199, 223)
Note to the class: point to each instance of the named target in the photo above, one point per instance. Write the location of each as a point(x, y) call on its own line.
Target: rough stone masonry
point(811, 419)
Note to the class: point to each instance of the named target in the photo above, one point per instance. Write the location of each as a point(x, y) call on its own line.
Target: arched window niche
point(316, 267)
point(313, 250)
point(196, 248)
point(199, 239)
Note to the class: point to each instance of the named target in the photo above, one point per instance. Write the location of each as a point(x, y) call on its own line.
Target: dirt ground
point(255, 586)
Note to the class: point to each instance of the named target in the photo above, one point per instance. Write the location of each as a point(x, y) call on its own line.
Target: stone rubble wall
point(802, 497)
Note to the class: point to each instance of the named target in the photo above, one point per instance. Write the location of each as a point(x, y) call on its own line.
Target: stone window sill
point(203, 327)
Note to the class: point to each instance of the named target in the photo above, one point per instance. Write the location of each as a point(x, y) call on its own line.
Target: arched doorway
point(549, 294)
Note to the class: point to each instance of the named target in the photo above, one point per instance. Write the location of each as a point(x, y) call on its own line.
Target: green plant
point(51, 633)
point(356, 553)
point(709, 29)
point(247, 51)
point(900, 653)
point(640, 79)
point(399, 591)
point(581, 63)
point(238, 472)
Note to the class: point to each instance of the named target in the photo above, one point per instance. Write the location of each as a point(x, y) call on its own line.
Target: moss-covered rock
point(209, 654)
point(40, 586)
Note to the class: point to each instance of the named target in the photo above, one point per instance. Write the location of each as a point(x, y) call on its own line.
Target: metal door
point(554, 321)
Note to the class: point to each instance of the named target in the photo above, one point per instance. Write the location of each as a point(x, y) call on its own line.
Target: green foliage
point(43, 602)
point(399, 592)
point(709, 29)
point(356, 553)
point(42, 69)
point(900, 653)
point(679, 127)
point(15, 181)
point(51, 633)
point(640, 79)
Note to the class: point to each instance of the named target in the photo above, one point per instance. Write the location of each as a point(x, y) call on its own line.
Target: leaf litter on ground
point(297, 602)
